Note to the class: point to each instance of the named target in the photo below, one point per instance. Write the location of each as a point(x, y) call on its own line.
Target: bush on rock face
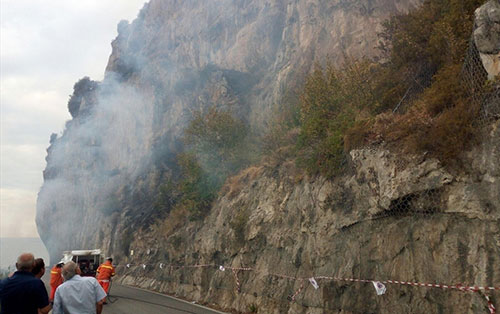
point(82, 90)
point(215, 147)
point(217, 139)
point(424, 52)
point(331, 102)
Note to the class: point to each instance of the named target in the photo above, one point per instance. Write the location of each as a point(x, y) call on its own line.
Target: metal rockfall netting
point(404, 241)
point(372, 256)
point(483, 93)
point(417, 218)
point(417, 81)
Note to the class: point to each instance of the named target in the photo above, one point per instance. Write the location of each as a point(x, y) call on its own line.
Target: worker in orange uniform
point(55, 279)
point(104, 274)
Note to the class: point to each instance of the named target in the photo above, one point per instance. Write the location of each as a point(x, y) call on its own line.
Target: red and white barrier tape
point(238, 285)
point(491, 307)
point(292, 298)
point(415, 284)
point(409, 283)
point(433, 285)
point(162, 266)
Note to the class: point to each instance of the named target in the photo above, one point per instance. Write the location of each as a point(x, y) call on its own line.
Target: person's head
point(25, 262)
point(109, 259)
point(69, 270)
point(60, 265)
point(39, 268)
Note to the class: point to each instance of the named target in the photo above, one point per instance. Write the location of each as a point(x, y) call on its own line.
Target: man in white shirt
point(78, 295)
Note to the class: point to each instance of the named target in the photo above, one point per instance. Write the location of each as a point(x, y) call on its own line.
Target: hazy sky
point(46, 46)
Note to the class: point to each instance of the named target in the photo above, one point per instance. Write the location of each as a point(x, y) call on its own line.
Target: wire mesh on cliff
point(433, 216)
point(486, 97)
point(482, 94)
point(449, 239)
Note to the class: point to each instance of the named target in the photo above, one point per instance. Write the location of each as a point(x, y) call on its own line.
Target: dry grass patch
point(235, 184)
point(177, 218)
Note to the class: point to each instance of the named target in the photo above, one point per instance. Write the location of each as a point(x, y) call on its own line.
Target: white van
point(88, 260)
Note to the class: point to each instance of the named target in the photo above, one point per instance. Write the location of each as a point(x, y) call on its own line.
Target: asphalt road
point(129, 300)
point(125, 299)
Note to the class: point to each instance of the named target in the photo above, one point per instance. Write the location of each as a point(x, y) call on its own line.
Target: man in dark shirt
point(23, 293)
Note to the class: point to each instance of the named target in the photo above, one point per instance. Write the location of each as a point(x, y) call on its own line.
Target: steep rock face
point(259, 47)
point(177, 57)
point(487, 36)
point(392, 218)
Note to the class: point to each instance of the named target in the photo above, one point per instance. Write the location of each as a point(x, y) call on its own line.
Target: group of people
point(24, 292)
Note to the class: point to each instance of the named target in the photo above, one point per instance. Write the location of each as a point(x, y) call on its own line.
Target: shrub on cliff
point(440, 123)
point(190, 191)
point(432, 41)
point(431, 36)
point(216, 147)
point(280, 137)
point(331, 102)
point(219, 142)
point(424, 52)
point(81, 91)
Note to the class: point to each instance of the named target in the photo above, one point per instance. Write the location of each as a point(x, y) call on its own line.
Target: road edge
point(177, 299)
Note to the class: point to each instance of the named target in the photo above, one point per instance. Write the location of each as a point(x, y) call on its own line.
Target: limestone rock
point(178, 57)
point(444, 231)
point(390, 217)
point(487, 36)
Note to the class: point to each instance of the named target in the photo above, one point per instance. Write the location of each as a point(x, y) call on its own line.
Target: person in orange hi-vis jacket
point(104, 274)
point(55, 279)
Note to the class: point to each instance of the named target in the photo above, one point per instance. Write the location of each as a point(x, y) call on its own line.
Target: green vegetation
point(252, 308)
point(413, 100)
point(278, 144)
point(191, 191)
point(216, 146)
point(440, 121)
point(434, 40)
point(430, 37)
point(341, 109)
point(218, 141)
point(331, 102)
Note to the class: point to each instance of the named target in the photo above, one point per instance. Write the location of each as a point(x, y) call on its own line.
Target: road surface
point(125, 300)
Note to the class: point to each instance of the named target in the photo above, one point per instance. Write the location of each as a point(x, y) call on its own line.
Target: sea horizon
point(11, 248)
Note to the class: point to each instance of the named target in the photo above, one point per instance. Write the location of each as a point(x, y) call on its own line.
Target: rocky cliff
point(487, 36)
point(395, 218)
point(177, 57)
point(390, 217)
